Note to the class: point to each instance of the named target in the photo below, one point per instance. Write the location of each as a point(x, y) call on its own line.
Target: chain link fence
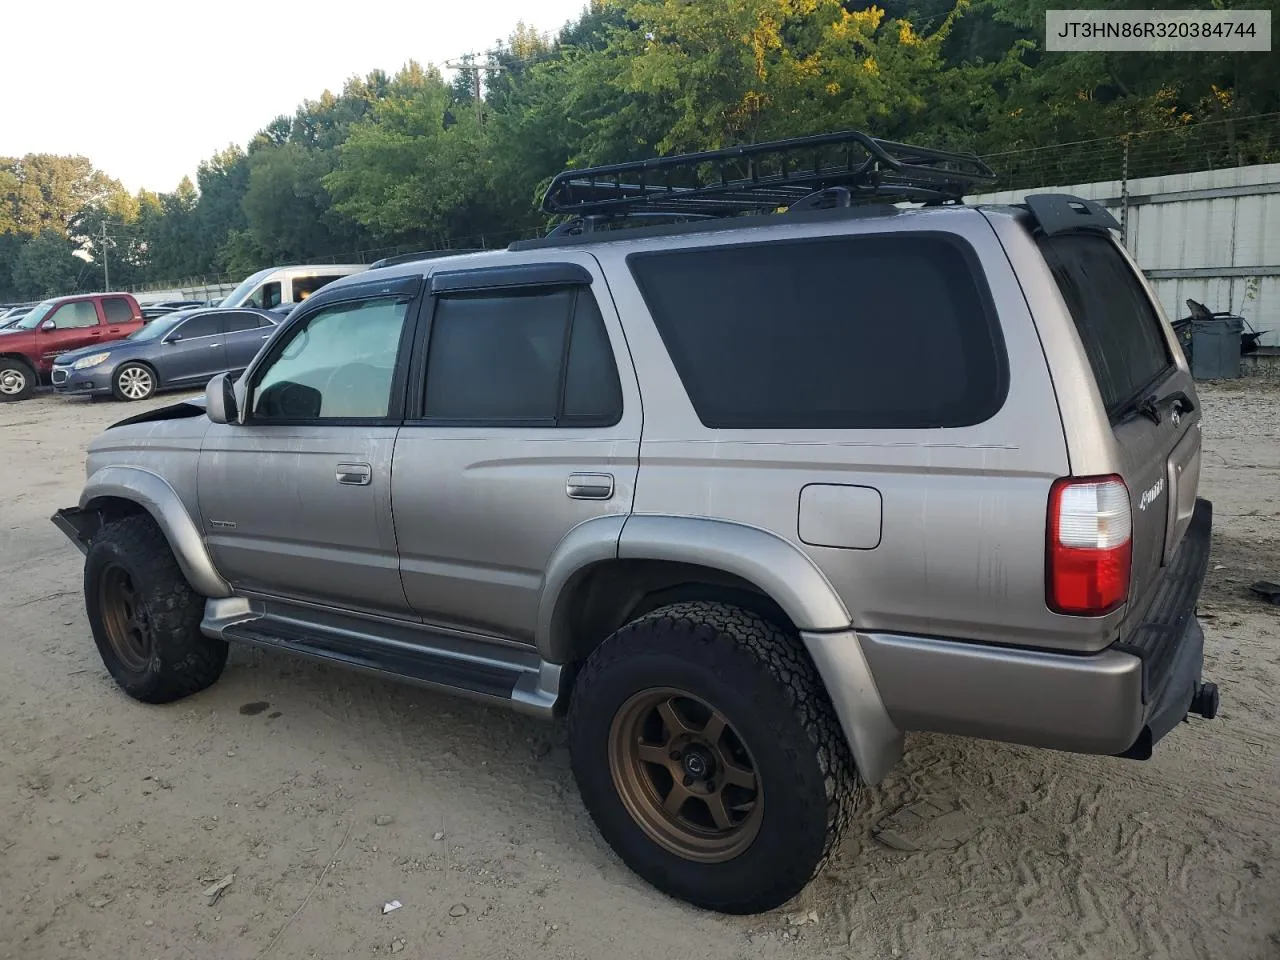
point(1189, 148)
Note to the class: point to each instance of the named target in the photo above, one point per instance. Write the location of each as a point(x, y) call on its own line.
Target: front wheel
point(17, 379)
point(709, 756)
point(133, 381)
point(145, 616)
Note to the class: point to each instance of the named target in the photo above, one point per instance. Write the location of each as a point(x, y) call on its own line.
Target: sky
point(146, 89)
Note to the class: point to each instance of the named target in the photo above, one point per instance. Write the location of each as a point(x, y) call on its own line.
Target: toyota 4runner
point(748, 467)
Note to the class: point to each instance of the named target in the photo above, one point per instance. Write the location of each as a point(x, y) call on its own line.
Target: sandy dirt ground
point(327, 794)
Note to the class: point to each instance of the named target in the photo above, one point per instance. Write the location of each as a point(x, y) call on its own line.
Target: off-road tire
point(761, 679)
point(178, 660)
point(14, 366)
point(118, 391)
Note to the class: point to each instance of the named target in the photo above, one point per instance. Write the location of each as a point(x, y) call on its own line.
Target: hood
point(192, 407)
point(110, 346)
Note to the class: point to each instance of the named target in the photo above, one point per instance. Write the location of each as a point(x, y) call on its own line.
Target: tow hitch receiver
point(1205, 701)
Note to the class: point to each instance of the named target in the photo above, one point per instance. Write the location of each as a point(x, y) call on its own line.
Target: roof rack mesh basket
point(832, 169)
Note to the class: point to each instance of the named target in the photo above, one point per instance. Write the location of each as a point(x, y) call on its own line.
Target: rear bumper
point(1121, 701)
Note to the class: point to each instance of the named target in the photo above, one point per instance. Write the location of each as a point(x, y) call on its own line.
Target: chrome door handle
point(215, 345)
point(589, 486)
point(355, 474)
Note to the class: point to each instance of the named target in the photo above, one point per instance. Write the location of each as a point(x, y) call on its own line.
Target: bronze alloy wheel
point(125, 618)
point(685, 776)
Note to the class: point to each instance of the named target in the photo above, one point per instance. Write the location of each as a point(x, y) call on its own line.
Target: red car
point(27, 350)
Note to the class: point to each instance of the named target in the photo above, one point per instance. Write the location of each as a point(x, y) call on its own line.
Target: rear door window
point(117, 310)
point(237, 322)
point(840, 333)
point(1118, 326)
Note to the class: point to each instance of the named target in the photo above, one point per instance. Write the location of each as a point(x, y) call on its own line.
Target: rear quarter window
point(1120, 330)
point(868, 332)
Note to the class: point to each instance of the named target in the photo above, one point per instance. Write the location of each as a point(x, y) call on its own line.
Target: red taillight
point(1090, 545)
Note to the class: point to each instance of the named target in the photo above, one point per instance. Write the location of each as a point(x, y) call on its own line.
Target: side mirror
point(49, 325)
point(173, 338)
point(220, 400)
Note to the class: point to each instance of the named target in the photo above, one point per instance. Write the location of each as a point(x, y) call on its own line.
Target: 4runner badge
point(1149, 495)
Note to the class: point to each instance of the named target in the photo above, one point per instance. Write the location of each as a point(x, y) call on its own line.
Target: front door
point(193, 352)
point(296, 500)
point(75, 324)
point(524, 423)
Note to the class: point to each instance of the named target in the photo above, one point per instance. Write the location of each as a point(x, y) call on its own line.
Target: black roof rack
point(827, 170)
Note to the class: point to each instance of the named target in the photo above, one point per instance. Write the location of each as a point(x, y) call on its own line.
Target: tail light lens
point(1090, 546)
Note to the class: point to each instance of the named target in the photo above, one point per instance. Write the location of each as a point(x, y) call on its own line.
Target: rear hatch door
point(1150, 401)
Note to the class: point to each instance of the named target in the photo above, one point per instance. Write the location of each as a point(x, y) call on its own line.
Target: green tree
point(47, 266)
point(405, 177)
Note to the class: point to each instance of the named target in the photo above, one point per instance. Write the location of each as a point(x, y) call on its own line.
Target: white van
point(274, 286)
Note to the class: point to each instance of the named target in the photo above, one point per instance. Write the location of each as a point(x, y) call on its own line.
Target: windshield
point(32, 319)
point(158, 328)
point(236, 296)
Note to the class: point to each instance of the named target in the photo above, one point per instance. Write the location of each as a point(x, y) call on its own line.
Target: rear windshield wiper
point(1152, 406)
point(1139, 406)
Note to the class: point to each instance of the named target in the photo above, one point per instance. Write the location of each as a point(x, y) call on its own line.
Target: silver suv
point(746, 494)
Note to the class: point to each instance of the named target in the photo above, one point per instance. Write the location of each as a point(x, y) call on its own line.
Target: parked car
point(818, 534)
point(10, 317)
point(158, 308)
point(28, 349)
point(277, 286)
point(185, 348)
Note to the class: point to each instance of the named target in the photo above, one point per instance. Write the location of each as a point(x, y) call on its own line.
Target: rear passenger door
point(194, 351)
point(118, 314)
point(524, 422)
point(245, 332)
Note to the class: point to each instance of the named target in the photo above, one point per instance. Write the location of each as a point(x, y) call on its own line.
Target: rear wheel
point(17, 379)
point(709, 756)
point(145, 616)
point(133, 381)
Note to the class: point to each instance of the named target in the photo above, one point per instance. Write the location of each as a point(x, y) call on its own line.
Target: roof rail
point(421, 255)
point(831, 169)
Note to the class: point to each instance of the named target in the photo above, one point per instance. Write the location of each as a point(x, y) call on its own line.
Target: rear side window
point(539, 357)
point(117, 310)
point(236, 322)
point(876, 332)
point(1119, 328)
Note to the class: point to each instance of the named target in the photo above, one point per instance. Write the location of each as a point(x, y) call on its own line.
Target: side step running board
point(531, 687)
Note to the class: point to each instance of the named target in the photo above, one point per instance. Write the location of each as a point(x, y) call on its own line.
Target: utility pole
point(106, 271)
point(466, 65)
